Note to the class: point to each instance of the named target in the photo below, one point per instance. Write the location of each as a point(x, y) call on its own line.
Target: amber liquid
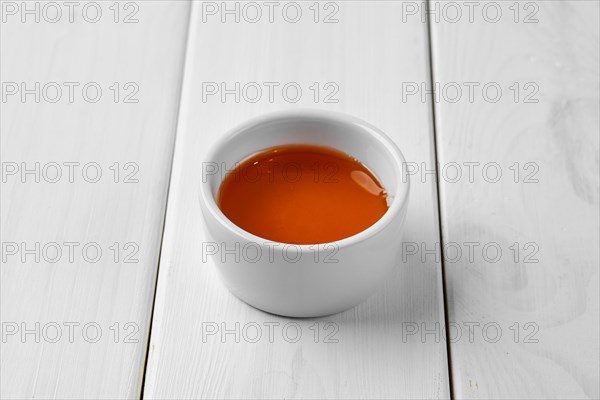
point(302, 194)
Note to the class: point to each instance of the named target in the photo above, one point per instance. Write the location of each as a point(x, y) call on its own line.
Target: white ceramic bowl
point(305, 280)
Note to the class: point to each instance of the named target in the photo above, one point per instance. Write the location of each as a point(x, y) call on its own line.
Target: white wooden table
point(108, 109)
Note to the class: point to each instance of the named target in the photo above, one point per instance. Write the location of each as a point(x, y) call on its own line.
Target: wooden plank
point(361, 353)
point(542, 213)
point(63, 299)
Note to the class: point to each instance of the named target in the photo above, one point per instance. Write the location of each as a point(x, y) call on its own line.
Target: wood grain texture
point(368, 55)
point(62, 293)
point(553, 220)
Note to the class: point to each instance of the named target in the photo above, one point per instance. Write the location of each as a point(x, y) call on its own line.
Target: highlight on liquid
point(302, 194)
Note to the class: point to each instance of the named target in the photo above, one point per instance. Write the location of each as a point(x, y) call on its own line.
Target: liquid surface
point(302, 194)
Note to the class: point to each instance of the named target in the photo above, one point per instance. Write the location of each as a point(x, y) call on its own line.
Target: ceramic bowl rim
point(402, 178)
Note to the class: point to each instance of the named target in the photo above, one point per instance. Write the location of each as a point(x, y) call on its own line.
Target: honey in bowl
point(302, 194)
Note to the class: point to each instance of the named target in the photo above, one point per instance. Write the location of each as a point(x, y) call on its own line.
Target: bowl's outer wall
point(301, 281)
